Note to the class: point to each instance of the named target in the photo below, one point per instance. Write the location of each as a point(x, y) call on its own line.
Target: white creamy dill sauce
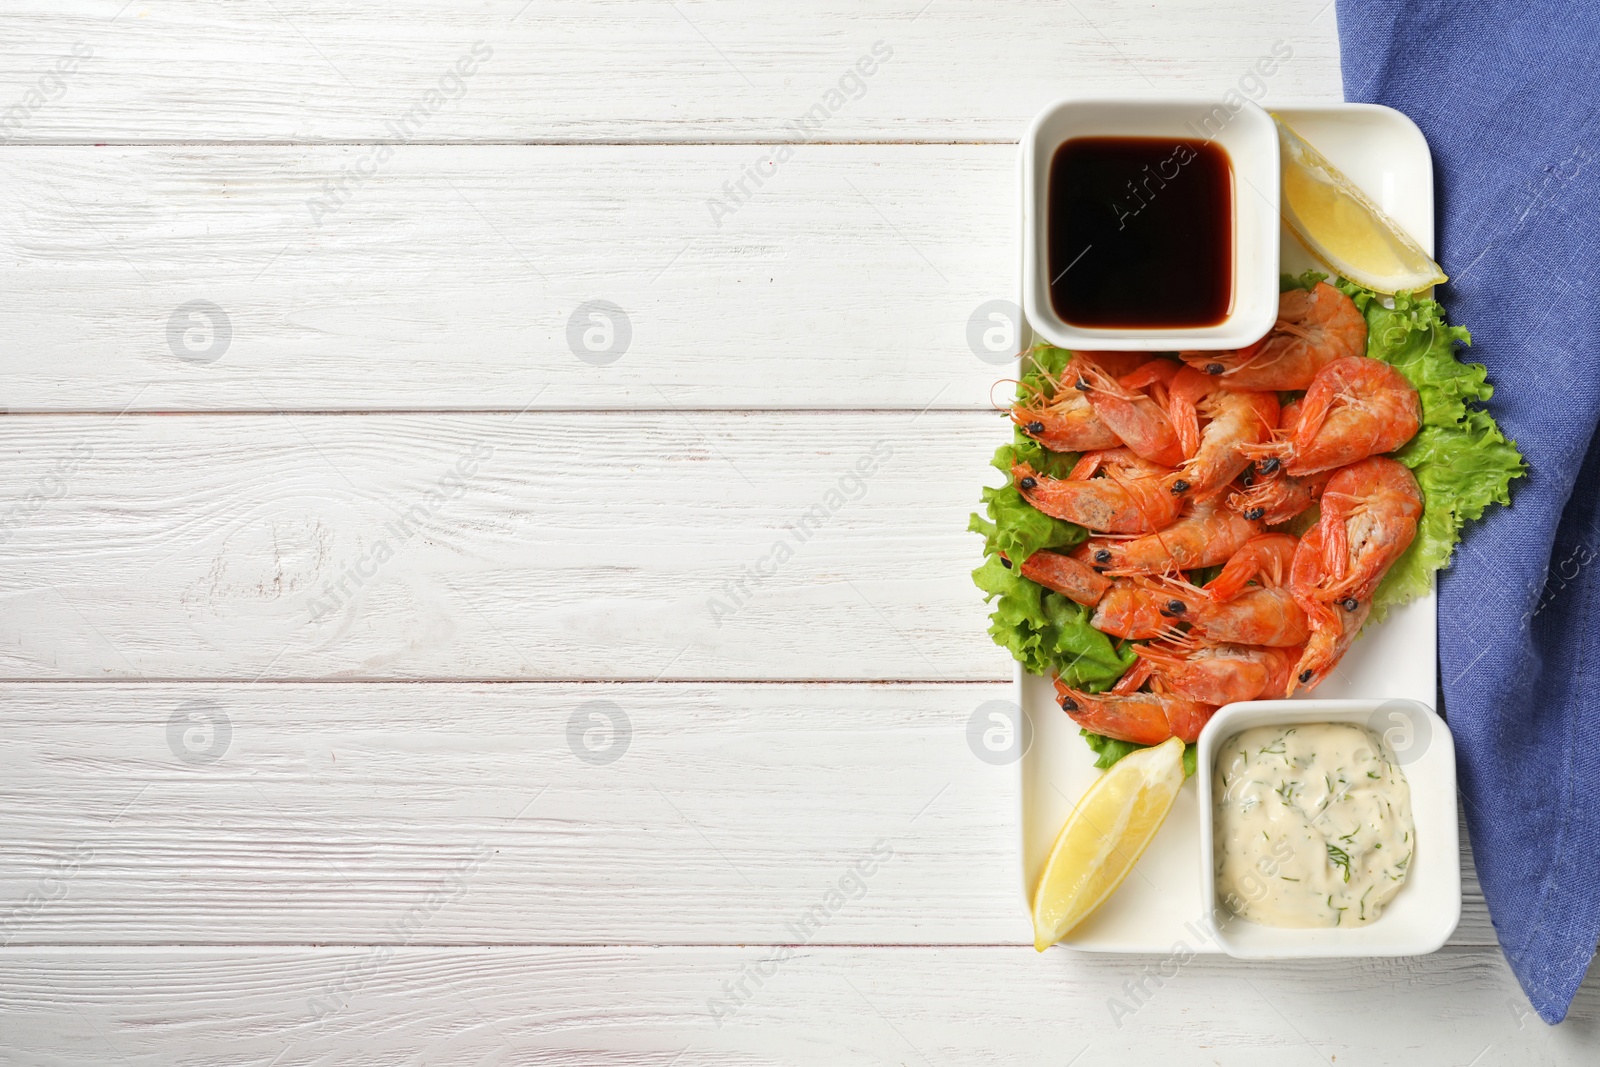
point(1312, 825)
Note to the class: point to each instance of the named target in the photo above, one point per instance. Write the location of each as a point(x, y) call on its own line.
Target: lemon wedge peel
point(1344, 228)
point(1104, 837)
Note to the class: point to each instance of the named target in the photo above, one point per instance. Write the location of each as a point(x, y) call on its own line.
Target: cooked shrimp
point(1333, 628)
point(1232, 612)
point(1114, 363)
point(1273, 496)
point(1063, 423)
point(1369, 517)
point(1059, 417)
point(1113, 504)
point(1289, 416)
point(1187, 397)
point(1115, 459)
point(1355, 408)
point(1133, 678)
point(1265, 557)
point(1313, 329)
point(1071, 578)
point(1143, 718)
point(1264, 614)
point(1236, 419)
point(1140, 610)
point(1133, 406)
point(1220, 674)
point(1207, 535)
point(1261, 615)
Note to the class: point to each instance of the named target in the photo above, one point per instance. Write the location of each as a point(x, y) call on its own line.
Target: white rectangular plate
point(1159, 905)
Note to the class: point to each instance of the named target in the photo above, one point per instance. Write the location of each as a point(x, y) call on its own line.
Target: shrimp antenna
point(1029, 356)
point(1182, 585)
point(1097, 378)
point(1293, 329)
point(1006, 381)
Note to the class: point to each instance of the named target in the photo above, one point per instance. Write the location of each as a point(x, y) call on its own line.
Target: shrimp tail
point(1231, 582)
point(1336, 509)
point(1269, 555)
point(1134, 677)
point(1088, 464)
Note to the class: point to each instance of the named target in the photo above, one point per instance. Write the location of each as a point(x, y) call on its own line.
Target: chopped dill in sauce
point(1302, 815)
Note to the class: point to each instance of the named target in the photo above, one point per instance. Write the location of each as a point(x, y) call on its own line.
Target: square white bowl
point(1249, 138)
point(1422, 916)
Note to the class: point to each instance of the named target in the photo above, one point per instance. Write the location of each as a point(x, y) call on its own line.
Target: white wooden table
point(397, 673)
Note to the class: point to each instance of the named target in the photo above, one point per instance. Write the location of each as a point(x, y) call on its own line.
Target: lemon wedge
point(1343, 227)
point(1104, 837)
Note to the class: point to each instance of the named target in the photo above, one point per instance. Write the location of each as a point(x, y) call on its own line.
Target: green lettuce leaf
point(1015, 526)
point(1041, 366)
point(1049, 634)
point(1462, 460)
point(1307, 281)
point(1108, 750)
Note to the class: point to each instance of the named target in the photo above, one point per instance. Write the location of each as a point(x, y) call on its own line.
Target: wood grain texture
point(184, 1008)
point(539, 546)
point(449, 278)
point(585, 70)
point(586, 546)
point(542, 814)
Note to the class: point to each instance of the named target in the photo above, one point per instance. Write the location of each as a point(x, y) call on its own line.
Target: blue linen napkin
point(1508, 94)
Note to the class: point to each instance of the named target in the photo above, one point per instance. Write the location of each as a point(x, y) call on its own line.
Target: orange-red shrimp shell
point(1133, 406)
point(1113, 504)
point(1141, 610)
point(1074, 580)
point(1274, 498)
point(1333, 628)
point(1060, 417)
point(1117, 364)
point(1118, 459)
point(1065, 423)
point(1369, 517)
point(1261, 615)
point(1266, 558)
point(1205, 536)
point(1235, 612)
point(1355, 408)
point(1313, 329)
point(1143, 718)
point(1235, 419)
point(1219, 674)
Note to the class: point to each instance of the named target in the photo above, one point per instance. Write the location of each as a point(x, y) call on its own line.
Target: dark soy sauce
point(1140, 232)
